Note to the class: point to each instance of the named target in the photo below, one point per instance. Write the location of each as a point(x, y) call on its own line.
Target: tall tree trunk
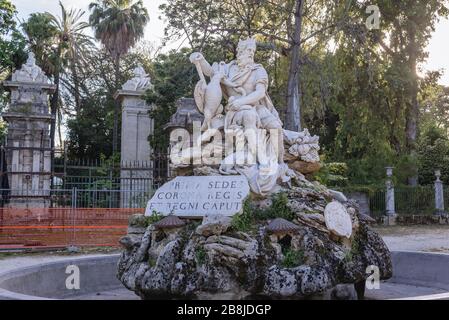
point(61, 143)
point(293, 113)
point(412, 112)
point(54, 106)
point(76, 84)
point(116, 107)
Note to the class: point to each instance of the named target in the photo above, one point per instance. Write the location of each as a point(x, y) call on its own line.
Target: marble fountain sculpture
point(248, 130)
point(243, 218)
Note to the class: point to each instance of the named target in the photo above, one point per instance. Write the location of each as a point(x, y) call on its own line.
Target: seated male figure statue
point(245, 85)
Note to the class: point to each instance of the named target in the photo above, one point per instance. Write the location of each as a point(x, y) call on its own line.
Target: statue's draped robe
point(264, 172)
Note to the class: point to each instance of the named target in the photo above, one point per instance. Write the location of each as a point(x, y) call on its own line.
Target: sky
point(438, 46)
point(154, 30)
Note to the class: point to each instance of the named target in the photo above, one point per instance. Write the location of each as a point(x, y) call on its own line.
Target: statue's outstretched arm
point(198, 57)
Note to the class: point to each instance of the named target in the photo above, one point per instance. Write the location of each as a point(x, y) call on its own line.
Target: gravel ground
point(434, 238)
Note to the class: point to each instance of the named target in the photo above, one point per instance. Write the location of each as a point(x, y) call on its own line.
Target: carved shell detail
point(280, 225)
point(169, 222)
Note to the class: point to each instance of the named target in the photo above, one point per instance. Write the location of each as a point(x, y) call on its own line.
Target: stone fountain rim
point(6, 294)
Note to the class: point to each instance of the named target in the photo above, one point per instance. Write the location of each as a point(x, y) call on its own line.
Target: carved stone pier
point(135, 149)
point(28, 148)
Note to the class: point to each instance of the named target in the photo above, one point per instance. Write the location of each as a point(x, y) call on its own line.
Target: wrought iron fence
point(415, 200)
point(418, 200)
point(377, 202)
point(76, 198)
point(95, 174)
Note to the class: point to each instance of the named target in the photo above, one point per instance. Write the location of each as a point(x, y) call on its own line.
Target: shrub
point(155, 217)
point(243, 222)
point(200, 255)
point(333, 174)
point(280, 208)
point(292, 258)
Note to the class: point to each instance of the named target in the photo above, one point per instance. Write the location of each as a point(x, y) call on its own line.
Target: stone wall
point(363, 201)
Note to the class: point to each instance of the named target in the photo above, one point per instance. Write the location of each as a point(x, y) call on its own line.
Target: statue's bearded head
point(245, 52)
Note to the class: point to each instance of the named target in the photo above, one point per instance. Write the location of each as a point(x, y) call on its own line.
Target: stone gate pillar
point(28, 146)
point(136, 152)
point(439, 194)
point(389, 198)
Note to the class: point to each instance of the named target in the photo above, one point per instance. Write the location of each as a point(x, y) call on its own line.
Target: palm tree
point(74, 46)
point(58, 42)
point(119, 25)
point(71, 46)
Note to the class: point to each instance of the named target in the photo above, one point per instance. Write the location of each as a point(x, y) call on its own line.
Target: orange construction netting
point(62, 227)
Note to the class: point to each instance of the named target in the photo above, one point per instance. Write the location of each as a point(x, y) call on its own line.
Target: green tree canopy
point(118, 24)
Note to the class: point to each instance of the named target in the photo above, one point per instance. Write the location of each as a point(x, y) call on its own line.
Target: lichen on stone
point(245, 260)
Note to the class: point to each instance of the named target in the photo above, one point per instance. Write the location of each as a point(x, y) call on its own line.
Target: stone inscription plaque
point(196, 196)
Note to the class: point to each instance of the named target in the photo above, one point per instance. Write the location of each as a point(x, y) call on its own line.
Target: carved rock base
point(305, 168)
point(239, 263)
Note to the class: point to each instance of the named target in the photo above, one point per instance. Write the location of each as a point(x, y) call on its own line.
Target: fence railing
point(61, 218)
point(76, 198)
point(415, 200)
point(62, 227)
point(377, 202)
point(99, 217)
point(408, 200)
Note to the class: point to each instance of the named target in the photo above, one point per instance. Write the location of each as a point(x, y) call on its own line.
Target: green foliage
point(90, 129)
point(355, 250)
point(279, 207)
point(151, 262)
point(118, 24)
point(108, 163)
point(174, 77)
point(434, 99)
point(89, 132)
point(155, 217)
point(292, 258)
point(200, 255)
point(244, 222)
point(12, 45)
point(3, 131)
point(433, 153)
point(369, 101)
point(415, 200)
point(42, 36)
point(333, 174)
point(359, 96)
